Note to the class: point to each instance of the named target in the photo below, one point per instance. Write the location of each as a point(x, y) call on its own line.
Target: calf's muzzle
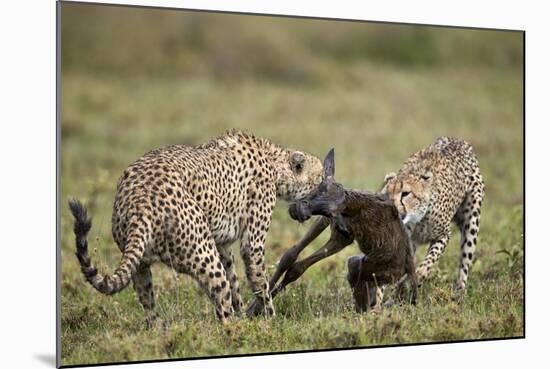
point(300, 211)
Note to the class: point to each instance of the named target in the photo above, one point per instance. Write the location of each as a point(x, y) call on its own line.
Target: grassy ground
point(374, 124)
point(374, 115)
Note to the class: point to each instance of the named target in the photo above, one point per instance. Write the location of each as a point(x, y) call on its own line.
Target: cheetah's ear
point(389, 177)
point(297, 160)
point(328, 164)
point(426, 176)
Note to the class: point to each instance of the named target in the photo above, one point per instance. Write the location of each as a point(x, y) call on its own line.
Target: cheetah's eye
point(404, 194)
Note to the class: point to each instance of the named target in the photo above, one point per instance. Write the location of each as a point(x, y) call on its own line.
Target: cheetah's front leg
point(435, 250)
point(226, 255)
point(252, 252)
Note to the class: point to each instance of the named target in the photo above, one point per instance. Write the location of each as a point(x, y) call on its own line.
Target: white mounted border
point(28, 182)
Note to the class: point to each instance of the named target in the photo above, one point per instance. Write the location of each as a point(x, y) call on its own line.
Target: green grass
point(374, 115)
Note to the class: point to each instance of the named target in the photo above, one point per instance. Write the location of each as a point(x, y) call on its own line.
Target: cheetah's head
point(411, 194)
point(298, 173)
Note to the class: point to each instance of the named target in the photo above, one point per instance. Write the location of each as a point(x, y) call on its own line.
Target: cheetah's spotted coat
point(436, 186)
point(185, 206)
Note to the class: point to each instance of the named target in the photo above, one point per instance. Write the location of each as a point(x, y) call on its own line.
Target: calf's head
point(327, 199)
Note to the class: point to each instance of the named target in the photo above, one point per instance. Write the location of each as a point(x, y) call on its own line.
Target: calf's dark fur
point(368, 218)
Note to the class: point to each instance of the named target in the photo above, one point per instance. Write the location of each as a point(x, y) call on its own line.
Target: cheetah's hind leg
point(192, 251)
point(228, 261)
point(143, 284)
point(468, 222)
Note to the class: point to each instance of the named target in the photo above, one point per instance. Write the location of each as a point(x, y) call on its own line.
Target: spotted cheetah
point(185, 206)
point(438, 185)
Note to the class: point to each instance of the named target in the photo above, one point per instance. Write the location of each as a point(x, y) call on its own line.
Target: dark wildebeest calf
point(369, 218)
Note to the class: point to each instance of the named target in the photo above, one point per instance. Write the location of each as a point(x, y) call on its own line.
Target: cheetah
point(436, 186)
point(184, 206)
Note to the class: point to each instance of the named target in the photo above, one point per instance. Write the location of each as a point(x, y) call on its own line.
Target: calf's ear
point(328, 164)
point(341, 225)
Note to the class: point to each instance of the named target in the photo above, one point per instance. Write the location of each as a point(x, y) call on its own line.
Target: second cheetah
point(436, 186)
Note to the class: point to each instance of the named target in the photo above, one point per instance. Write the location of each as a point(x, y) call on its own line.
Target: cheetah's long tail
point(104, 284)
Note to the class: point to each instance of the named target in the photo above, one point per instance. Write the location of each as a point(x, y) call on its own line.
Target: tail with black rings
point(131, 258)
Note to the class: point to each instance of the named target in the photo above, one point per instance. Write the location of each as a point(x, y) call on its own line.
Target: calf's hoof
point(257, 308)
point(389, 303)
point(155, 323)
point(253, 309)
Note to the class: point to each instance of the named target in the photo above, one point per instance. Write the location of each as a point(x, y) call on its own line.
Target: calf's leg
point(367, 293)
point(336, 243)
point(289, 257)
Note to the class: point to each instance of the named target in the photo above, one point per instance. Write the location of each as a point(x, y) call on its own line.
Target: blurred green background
point(134, 79)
